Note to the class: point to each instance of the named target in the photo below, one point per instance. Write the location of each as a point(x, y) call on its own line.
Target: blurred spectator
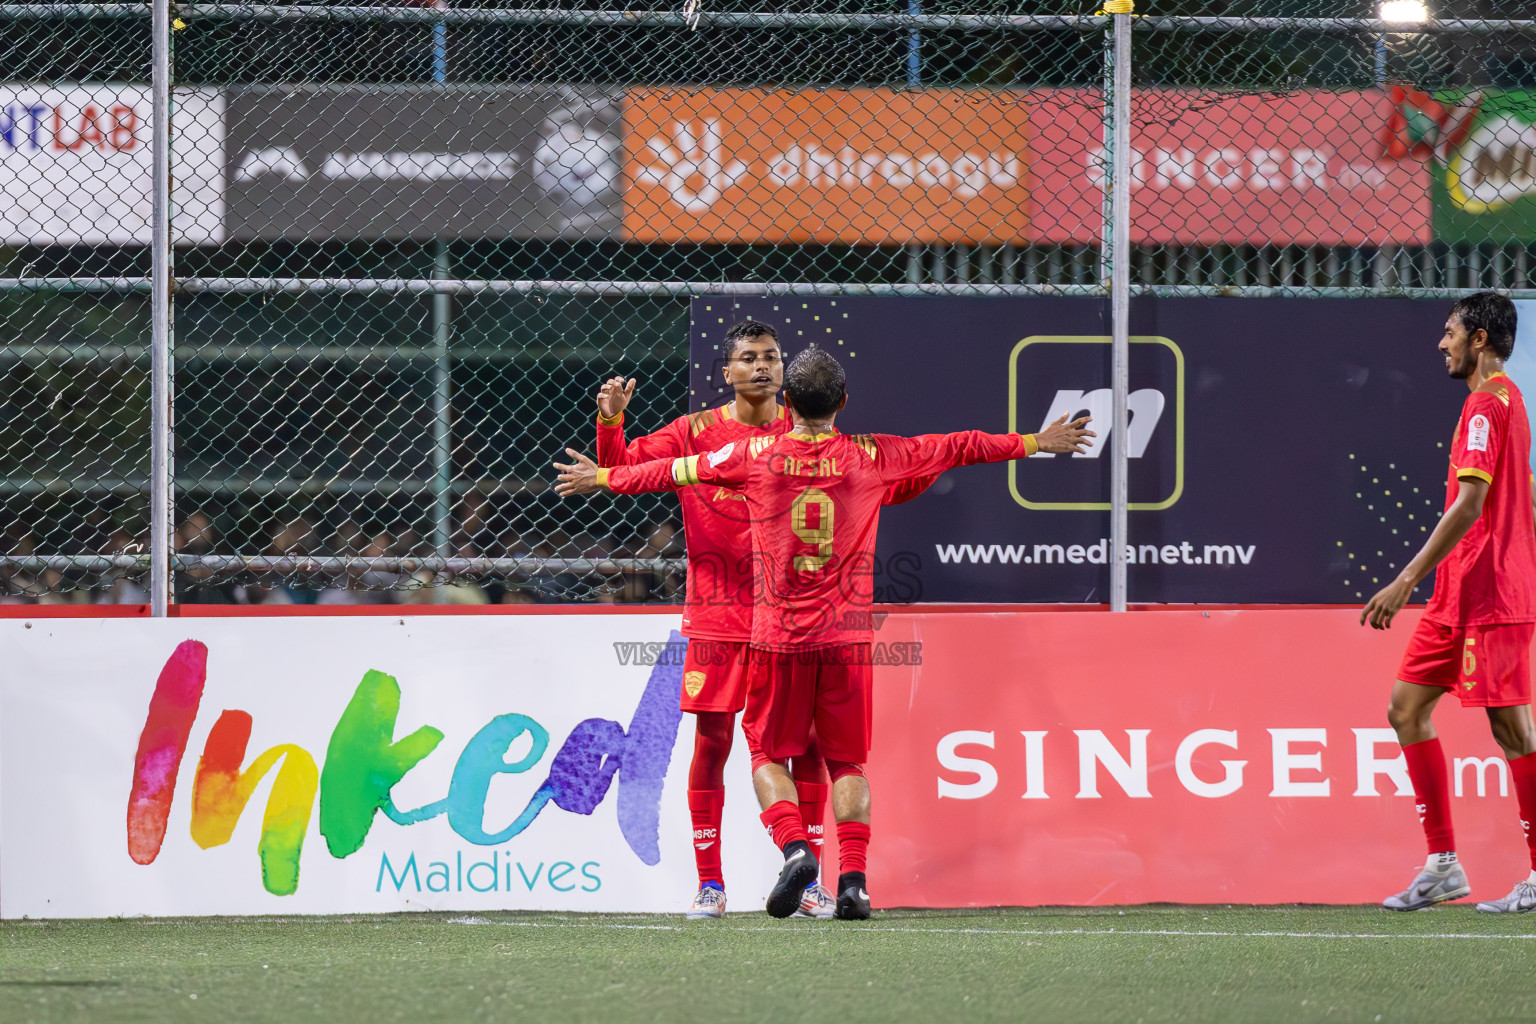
point(349, 538)
point(196, 534)
point(381, 546)
point(16, 585)
point(459, 592)
point(411, 544)
point(475, 535)
point(644, 584)
point(296, 539)
point(115, 585)
point(200, 585)
point(358, 585)
point(58, 589)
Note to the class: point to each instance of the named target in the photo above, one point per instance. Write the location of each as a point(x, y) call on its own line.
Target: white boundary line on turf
point(877, 929)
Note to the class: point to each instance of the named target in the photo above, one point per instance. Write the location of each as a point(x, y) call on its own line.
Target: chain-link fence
point(410, 239)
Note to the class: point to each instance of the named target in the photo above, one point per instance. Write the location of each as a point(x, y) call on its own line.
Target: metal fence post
point(442, 339)
point(914, 47)
point(160, 317)
point(1119, 246)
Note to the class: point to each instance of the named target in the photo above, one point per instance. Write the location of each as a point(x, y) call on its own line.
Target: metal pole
point(442, 410)
point(914, 47)
point(442, 336)
point(160, 316)
point(1119, 186)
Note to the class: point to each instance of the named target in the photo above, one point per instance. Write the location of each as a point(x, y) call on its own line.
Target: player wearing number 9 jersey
point(814, 496)
point(717, 616)
point(1475, 636)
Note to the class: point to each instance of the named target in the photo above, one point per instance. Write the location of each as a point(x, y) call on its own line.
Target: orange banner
point(860, 166)
point(1190, 757)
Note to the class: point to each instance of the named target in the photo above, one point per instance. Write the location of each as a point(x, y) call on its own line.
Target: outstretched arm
point(583, 476)
point(917, 458)
point(726, 467)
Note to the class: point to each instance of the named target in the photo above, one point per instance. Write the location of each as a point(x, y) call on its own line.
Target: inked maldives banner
point(325, 765)
point(350, 764)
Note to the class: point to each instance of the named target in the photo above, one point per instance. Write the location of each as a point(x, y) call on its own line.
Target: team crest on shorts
point(693, 682)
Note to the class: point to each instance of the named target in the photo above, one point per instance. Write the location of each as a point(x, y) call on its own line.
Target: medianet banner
point(367, 764)
point(1281, 450)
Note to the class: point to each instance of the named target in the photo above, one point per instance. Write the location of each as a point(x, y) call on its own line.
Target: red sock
point(1431, 787)
point(813, 813)
point(853, 839)
point(1522, 774)
point(705, 806)
point(782, 821)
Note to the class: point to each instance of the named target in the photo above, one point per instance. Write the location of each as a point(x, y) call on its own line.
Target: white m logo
point(281, 161)
point(1145, 407)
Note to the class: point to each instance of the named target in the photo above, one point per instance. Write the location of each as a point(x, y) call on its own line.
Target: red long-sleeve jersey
point(814, 507)
point(1489, 577)
point(718, 605)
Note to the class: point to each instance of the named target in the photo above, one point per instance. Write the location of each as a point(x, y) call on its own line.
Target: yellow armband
point(685, 470)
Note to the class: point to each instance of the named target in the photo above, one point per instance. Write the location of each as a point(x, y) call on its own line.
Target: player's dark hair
point(815, 383)
point(747, 330)
point(1491, 312)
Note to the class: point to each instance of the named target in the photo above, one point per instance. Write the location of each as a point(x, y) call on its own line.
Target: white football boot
point(709, 903)
point(816, 902)
point(1441, 879)
point(1521, 900)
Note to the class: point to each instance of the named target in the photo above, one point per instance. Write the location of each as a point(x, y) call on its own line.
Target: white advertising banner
point(75, 165)
point(344, 765)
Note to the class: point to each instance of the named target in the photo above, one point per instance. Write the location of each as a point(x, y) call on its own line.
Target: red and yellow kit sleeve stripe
point(1464, 472)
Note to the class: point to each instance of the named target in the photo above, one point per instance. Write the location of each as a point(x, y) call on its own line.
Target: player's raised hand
point(1381, 609)
point(580, 478)
point(1063, 438)
point(613, 397)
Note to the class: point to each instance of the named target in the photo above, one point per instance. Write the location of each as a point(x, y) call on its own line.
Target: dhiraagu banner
point(342, 765)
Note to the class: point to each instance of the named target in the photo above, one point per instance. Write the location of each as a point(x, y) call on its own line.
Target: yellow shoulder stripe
point(698, 422)
point(867, 445)
point(756, 445)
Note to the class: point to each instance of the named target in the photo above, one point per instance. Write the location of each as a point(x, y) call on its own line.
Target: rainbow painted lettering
point(363, 762)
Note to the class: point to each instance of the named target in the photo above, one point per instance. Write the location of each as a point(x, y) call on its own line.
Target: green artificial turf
point(1103, 964)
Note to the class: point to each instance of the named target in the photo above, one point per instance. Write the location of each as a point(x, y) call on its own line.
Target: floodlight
point(1413, 11)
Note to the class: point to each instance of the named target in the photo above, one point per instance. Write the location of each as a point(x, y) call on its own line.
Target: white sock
point(1442, 862)
point(1531, 878)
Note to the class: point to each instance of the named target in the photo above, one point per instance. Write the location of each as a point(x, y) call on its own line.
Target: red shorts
point(1487, 666)
point(828, 689)
point(715, 676)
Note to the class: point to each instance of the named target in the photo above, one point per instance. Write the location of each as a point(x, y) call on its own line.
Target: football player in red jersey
point(1475, 636)
point(814, 499)
point(717, 615)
